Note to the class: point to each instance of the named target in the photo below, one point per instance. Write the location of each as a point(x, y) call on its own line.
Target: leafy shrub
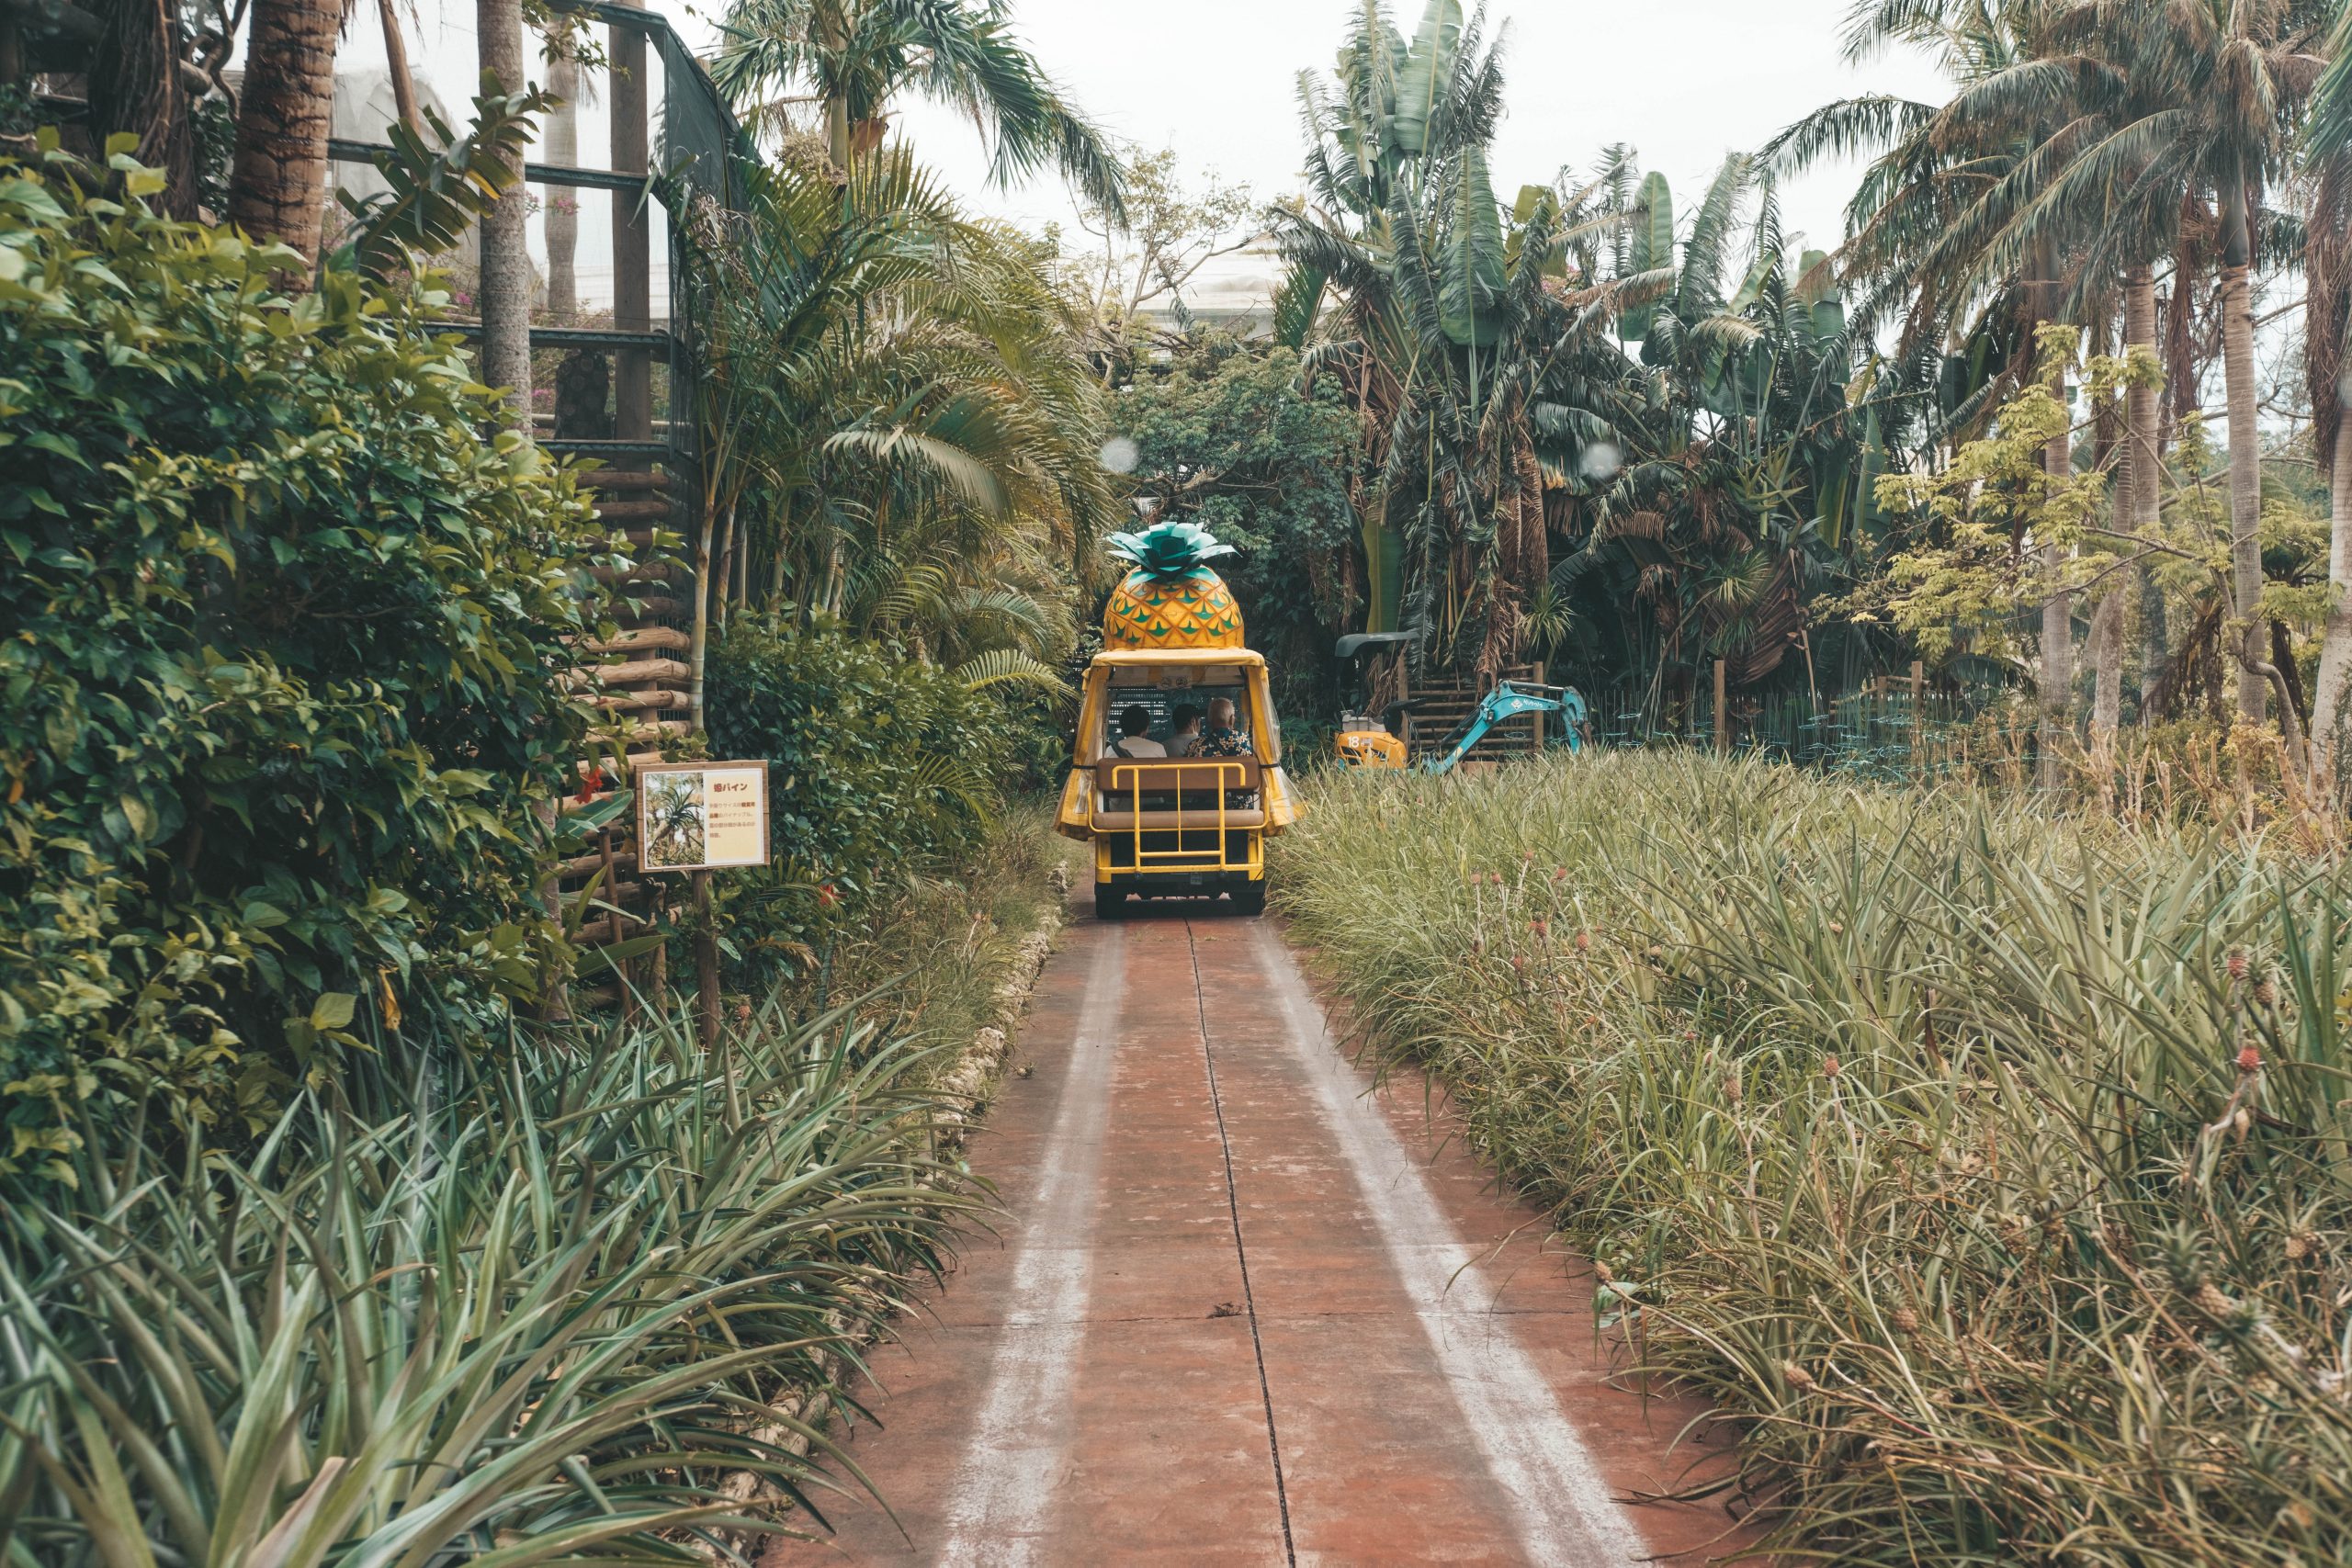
point(879, 763)
point(280, 686)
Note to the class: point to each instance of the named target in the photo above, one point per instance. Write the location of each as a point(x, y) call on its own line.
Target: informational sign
point(701, 815)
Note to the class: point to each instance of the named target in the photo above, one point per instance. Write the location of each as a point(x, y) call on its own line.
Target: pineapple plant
point(1171, 599)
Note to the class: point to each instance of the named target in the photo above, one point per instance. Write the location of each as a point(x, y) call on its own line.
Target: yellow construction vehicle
point(1364, 739)
point(1194, 824)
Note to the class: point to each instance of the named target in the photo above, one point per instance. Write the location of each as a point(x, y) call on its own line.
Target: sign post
point(696, 818)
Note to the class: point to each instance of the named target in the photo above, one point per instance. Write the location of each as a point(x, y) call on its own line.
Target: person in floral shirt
point(1220, 739)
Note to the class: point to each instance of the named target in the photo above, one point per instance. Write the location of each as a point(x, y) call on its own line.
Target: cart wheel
point(1250, 899)
point(1110, 903)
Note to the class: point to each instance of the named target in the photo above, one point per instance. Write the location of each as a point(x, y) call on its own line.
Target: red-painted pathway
point(1242, 1311)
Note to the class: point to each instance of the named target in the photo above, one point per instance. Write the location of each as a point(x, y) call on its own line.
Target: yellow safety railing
point(1190, 860)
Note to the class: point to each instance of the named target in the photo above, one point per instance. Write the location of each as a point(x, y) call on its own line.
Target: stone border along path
point(1241, 1309)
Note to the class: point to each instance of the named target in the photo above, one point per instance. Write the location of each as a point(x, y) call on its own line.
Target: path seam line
point(1240, 1252)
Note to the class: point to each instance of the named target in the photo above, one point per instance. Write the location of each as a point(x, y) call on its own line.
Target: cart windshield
point(1161, 696)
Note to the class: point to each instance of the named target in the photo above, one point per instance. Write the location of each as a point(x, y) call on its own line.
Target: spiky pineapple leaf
point(1169, 552)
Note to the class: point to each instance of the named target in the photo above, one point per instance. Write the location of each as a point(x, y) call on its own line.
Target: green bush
point(878, 764)
point(282, 636)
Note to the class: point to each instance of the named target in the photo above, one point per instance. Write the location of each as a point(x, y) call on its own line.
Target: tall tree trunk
point(505, 256)
point(700, 653)
point(2057, 616)
point(277, 182)
point(563, 206)
point(2058, 608)
point(2245, 455)
point(2335, 639)
point(837, 132)
point(2105, 646)
point(833, 44)
point(396, 62)
point(2143, 490)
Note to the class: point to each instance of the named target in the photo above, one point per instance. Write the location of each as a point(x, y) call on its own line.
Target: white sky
point(1683, 81)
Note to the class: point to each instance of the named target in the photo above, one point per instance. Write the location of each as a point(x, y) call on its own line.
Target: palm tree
point(1752, 454)
point(896, 413)
point(1456, 331)
point(2201, 99)
point(1932, 227)
point(2241, 77)
point(852, 58)
point(278, 181)
point(2096, 207)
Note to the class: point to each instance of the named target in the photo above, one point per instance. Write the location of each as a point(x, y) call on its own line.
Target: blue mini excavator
point(1507, 701)
point(1364, 741)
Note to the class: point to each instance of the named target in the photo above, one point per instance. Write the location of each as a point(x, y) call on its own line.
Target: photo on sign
point(677, 818)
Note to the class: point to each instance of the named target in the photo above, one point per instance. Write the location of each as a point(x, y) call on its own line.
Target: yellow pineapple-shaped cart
point(1186, 826)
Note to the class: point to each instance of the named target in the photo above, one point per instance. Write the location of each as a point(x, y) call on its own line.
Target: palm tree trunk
point(2335, 638)
point(2105, 646)
point(2057, 611)
point(562, 206)
point(2142, 465)
point(278, 183)
point(833, 42)
point(2245, 454)
point(701, 636)
point(505, 259)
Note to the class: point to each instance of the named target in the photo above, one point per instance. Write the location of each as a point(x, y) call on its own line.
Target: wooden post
point(623, 972)
point(1723, 720)
point(705, 965)
point(1918, 706)
point(632, 238)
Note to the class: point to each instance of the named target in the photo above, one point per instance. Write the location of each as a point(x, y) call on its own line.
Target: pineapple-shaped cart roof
point(1171, 599)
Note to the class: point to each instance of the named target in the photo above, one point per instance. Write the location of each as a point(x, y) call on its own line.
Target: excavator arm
point(1507, 701)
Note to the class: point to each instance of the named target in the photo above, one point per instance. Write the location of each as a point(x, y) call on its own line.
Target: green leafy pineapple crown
point(1169, 552)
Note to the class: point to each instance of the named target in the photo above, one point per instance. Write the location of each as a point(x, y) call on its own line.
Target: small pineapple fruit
point(1171, 599)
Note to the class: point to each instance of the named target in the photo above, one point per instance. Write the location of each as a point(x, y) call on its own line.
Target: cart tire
point(1250, 899)
point(1110, 903)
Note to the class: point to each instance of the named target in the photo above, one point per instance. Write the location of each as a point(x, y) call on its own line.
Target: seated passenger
point(1187, 735)
point(1135, 734)
point(1221, 739)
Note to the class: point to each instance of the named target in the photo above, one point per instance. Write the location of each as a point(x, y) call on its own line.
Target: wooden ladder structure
point(637, 681)
point(1439, 712)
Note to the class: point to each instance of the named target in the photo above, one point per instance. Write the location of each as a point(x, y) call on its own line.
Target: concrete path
point(1241, 1311)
